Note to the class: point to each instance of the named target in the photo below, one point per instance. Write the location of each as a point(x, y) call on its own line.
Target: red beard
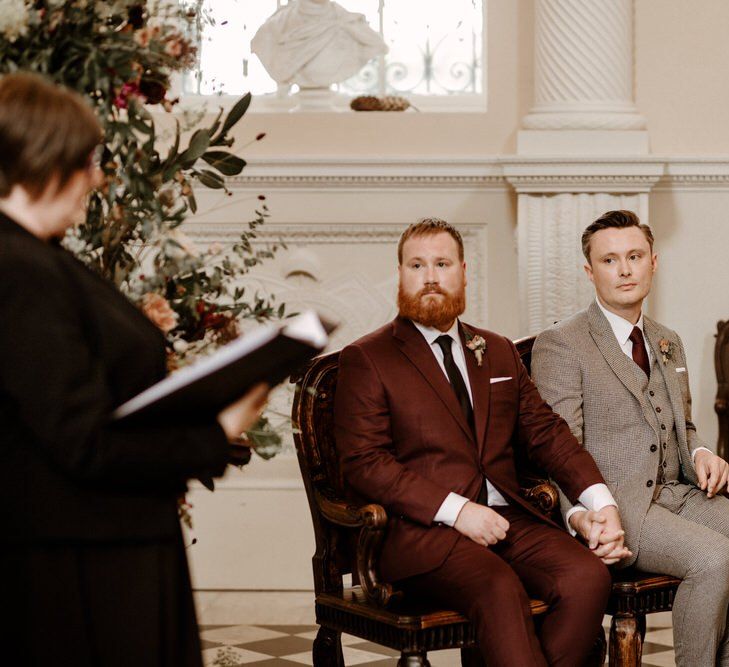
point(431, 312)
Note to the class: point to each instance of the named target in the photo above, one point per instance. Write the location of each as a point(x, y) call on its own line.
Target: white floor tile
point(231, 655)
point(663, 619)
point(240, 634)
point(663, 659)
point(664, 636)
point(255, 607)
point(352, 656)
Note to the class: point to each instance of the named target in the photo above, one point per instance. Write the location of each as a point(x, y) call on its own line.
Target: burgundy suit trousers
point(491, 587)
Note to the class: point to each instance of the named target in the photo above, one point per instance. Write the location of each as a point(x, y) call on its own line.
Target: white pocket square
point(681, 370)
point(495, 380)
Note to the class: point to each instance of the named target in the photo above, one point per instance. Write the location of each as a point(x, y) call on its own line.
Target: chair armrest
point(542, 495)
point(372, 521)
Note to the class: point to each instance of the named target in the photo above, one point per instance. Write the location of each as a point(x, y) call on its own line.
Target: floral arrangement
point(121, 55)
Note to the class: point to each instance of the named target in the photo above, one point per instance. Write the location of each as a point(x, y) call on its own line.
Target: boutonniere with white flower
point(476, 344)
point(666, 348)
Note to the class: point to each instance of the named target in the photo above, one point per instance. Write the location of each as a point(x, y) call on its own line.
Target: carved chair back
point(721, 405)
point(313, 416)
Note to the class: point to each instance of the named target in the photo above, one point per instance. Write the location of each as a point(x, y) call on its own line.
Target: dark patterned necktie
point(640, 355)
point(456, 379)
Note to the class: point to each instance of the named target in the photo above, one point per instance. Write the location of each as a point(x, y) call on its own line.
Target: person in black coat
point(91, 554)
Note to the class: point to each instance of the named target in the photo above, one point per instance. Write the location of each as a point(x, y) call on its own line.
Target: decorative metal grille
point(435, 47)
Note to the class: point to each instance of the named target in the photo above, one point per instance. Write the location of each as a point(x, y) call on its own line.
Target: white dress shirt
point(596, 496)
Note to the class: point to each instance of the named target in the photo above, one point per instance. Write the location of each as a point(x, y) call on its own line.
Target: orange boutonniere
point(666, 348)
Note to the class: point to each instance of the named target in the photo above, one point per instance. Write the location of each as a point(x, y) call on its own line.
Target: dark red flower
point(136, 16)
point(154, 91)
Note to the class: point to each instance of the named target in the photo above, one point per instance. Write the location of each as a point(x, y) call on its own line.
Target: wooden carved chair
point(721, 405)
point(348, 537)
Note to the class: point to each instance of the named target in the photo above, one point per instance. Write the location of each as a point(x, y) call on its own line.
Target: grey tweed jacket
point(581, 371)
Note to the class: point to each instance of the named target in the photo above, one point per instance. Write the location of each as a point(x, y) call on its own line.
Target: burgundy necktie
point(640, 355)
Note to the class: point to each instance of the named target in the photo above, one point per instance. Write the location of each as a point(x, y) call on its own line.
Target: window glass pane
point(225, 60)
point(435, 48)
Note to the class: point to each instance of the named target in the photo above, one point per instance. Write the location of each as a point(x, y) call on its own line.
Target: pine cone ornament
point(386, 103)
point(393, 103)
point(365, 103)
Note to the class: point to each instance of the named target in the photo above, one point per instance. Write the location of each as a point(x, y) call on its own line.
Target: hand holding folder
point(268, 354)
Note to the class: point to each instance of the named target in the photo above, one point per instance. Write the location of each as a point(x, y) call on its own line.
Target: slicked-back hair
point(614, 220)
point(46, 132)
point(430, 227)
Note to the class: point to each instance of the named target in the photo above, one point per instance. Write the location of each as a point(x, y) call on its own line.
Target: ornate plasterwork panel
point(552, 281)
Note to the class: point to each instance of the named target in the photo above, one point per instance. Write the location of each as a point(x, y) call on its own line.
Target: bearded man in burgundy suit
point(429, 415)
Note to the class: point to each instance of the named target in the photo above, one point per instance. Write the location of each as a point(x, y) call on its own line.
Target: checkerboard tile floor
point(279, 645)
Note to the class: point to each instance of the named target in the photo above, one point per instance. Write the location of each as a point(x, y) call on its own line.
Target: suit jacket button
point(663, 427)
point(658, 409)
point(652, 393)
point(649, 483)
point(653, 448)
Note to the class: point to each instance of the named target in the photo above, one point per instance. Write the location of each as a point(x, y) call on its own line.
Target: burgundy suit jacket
point(404, 443)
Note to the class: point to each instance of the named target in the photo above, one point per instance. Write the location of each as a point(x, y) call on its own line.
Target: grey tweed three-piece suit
point(639, 432)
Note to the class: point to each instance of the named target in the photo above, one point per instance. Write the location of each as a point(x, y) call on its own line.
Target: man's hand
point(481, 524)
point(603, 533)
point(712, 471)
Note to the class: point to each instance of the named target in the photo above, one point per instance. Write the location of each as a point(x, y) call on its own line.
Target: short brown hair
point(46, 131)
point(614, 220)
point(429, 227)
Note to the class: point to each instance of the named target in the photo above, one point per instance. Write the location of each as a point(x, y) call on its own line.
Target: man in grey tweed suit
point(620, 381)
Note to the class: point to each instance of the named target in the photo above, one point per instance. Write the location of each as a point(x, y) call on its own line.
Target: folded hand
point(603, 533)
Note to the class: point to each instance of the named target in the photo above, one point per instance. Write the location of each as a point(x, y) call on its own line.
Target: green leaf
point(211, 179)
point(225, 163)
point(198, 145)
point(235, 114)
point(192, 202)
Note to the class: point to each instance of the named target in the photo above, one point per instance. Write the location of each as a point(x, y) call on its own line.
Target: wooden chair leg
point(327, 649)
point(419, 659)
point(626, 643)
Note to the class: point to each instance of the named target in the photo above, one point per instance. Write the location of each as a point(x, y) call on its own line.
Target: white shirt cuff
point(450, 509)
point(596, 497)
point(573, 510)
point(698, 449)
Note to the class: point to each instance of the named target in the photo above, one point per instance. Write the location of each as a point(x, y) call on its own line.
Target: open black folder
point(266, 354)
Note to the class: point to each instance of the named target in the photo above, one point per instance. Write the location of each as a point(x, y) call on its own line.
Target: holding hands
point(712, 471)
point(602, 532)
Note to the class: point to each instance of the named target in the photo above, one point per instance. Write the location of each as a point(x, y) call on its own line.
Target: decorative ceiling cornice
point(525, 174)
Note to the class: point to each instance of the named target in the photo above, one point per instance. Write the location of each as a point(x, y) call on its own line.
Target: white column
point(582, 150)
point(583, 80)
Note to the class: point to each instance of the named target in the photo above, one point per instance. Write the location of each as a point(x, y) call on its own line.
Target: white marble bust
point(315, 43)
